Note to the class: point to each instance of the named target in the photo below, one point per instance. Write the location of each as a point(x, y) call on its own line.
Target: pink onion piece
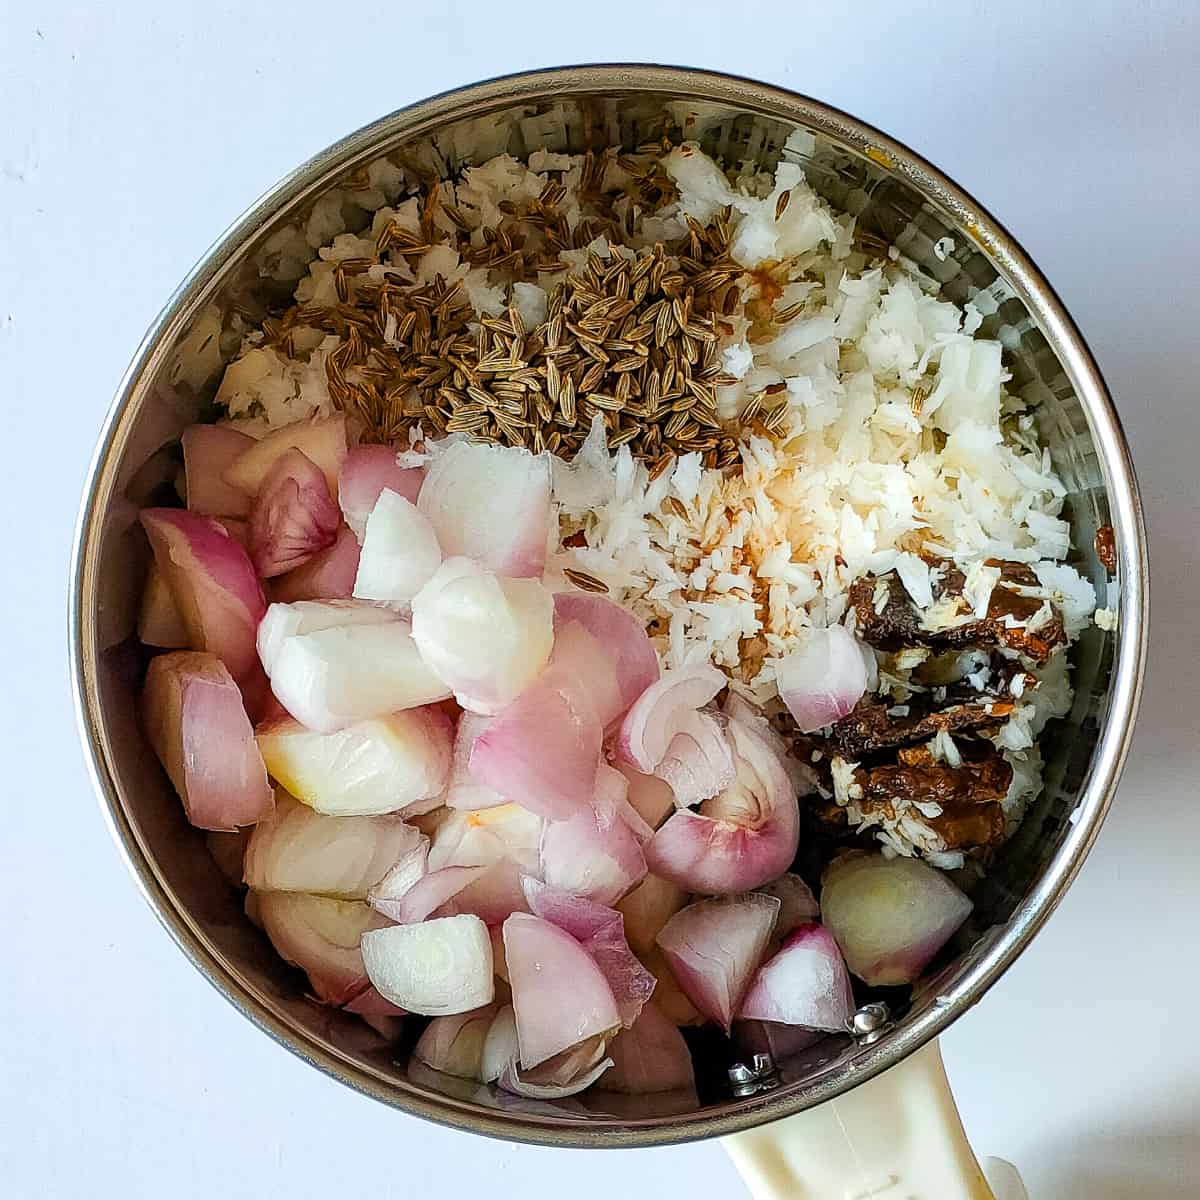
point(769, 1037)
point(668, 995)
point(595, 853)
point(650, 1056)
point(806, 983)
point(409, 867)
point(650, 797)
point(621, 635)
point(488, 638)
point(698, 763)
point(389, 764)
point(492, 504)
point(323, 440)
point(208, 451)
point(500, 1046)
point(742, 839)
point(890, 916)
point(797, 904)
point(320, 936)
point(543, 750)
point(159, 622)
point(369, 1003)
point(714, 947)
point(436, 968)
point(601, 932)
point(656, 717)
point(328, 575)
point(738, 708)
point(334, 677)
point(366, 472)
point(293, 516)
point(567, 1074)
point(647, 909)
point(560, 996)
point(494, 896)
point(586, 671)
point(506, 833)
point(196, 721)
point(429, 894)
point(454, 1045)
point(212, 582)
point(400, 552)
point(298, 850)
point(464, 790)
point(822, 680)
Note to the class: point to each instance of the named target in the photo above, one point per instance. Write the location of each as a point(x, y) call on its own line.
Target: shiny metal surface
point(893, 192)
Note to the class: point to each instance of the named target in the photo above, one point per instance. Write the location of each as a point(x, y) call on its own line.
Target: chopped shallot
point(822, 680)
point(650, 1056)
point(323, 440)
point(806, 983)
point(464, 790)
point(293, 516)
point(400, 552)
point(207, 451)
point(328, 575)
point(366, 472)
point(159, 622)
point(797, 904)
point(455, 1044)
point(196, 721)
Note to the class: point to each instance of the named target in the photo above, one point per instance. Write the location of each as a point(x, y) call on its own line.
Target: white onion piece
point(388, 764)
point(714, 948)
point(650, 1056)
point(213, 584)
point(650, 797)
point(698, 763)
point(322, 439)
point(369, 1003)
point(560, 996)
point(328, 575)
point(601, 932)
point(298, 850)
point(159, 622)
point(595, 853)
point(741, 839)
point(283, 621)
point(429, 894)
point(320, 936)
point(647, 909)
point(208, 450)
point(463, 789)
point(335, 677)
point(506, 833)
point(400, 552)
point(660, 711)
point(436, 968)
point(806, 983)
point(196, 721)
point(500, 1046)
point(620, 633)
point(492, 504)
point(366, 472)
point(738, 708)
point(494, 896)
point(543, 750)
point(797, 904)
point(454, 1045)
point(488, 638)
point(293, 516)
point(890, 916)
point(822, 680)
point(410, 867)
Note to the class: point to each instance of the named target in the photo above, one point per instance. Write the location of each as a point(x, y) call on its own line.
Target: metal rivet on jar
point(870, 1022)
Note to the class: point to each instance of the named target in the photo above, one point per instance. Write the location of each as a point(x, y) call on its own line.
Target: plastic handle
point(898, 1137)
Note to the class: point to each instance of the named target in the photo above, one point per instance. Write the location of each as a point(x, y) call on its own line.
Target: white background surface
point(132, 133)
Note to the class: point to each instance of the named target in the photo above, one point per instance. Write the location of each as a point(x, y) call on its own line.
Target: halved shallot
point(159, 623)
point(321, 937)
point(366, 472)
point(650, 1056)
point(400, 552)
point(806, 983)
point(212, 581)
point(293, 516)
point(328, 575)
point(714, 947)
point(322, 439)
point(492, 504)
point(334, 677)
point(740, 840)
point(560, 996)
point(454, 1044)
point(824, 678)
point(298, 850)
point(196, 721)
point(601, 932)
point(436, 968)
point(208, 450)
point(665, 734)
point(890, 916)
point(388, 764)
point(487, 637)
